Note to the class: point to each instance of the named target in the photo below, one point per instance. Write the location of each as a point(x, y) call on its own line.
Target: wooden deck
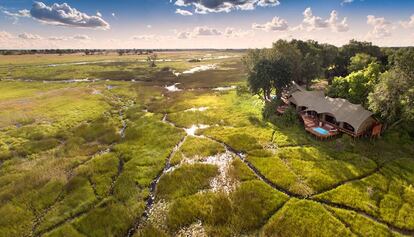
point(312, 122)
point(281, 109)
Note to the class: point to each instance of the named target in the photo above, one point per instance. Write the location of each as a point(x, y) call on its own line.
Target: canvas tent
point(347, 116)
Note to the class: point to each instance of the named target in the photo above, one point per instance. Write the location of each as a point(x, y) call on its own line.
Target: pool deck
point(312, 122)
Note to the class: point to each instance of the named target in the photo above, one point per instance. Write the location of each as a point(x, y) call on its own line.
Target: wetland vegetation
point(115, 153)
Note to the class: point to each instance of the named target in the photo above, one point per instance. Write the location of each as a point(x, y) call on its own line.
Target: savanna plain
point(105, 145)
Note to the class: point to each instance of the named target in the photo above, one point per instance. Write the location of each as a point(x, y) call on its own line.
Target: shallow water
point(201, 68)
point(200, 109)
point(173, 88)
point(193, 129)
point(80, 63)
point(226, 88)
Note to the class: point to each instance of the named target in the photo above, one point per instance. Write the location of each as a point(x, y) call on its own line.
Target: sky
point(169, 24)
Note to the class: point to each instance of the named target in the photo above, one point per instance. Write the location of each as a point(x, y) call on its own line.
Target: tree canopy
point(381, 79)
point(360, 61)
point(393, 97)
point(356, 86)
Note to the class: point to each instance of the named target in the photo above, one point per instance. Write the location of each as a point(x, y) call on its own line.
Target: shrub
point(290, 117)
point(242, 90)
point(269, 110)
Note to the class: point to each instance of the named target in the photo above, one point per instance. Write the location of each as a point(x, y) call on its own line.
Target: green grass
point(242, 212)
point(51, 168)
point(387, 195)
point(194, 147)
point(185, 180)
point(360, 224)
point(304, 218)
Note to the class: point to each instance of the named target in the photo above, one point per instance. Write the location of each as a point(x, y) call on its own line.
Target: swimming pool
point(320, 131)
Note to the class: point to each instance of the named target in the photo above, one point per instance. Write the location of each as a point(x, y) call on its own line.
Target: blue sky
point(201, 23)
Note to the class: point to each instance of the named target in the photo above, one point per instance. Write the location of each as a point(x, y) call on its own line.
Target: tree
point(393, 97)
point(356, 86)
point(349, 50)
point(360, 61)
point(292, 56)
point(151, 59)
point(311, 68)
point(312, 62)
point(268, 71)
point(260, 79)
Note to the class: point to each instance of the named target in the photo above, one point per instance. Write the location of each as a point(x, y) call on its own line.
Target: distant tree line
point(120, 52)
point(381, 79)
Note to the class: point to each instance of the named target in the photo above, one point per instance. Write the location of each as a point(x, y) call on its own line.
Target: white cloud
point(5, 35)
point(183, 12)
point(409, 23)
point(183, 35)
point(337, 26)
point(20, 13)
point(311, 22)
point(381, 27)
point(81, 37)
point(205, 31)
point(346, 2)
point(57, 38)
point(208, 6)
point(63, 14)
point(276, 24)
point(113, 14)
point(233, 33)
point(143, 37)
point(28, 36)
point(15, 15)
point(99, 14)
point(149, 26)
point(199, 31)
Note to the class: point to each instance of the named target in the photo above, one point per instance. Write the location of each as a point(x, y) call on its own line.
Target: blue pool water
point(320, 131)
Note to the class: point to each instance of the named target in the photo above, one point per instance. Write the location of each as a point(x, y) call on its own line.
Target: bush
point(242, 90)
point(289, 118)
point(269, 110)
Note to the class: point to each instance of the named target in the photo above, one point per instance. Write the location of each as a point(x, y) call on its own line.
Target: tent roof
point(295, 87)
point(341, 109)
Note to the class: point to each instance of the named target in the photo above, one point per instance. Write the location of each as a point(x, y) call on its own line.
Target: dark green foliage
point(392, 98)
point(269, 109)
point(289, 117)
point(356, 86)
point(360, 61)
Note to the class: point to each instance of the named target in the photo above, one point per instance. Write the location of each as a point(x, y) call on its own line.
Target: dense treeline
point(381, 79)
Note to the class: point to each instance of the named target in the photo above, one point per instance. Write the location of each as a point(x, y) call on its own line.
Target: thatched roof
point(341, 109)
